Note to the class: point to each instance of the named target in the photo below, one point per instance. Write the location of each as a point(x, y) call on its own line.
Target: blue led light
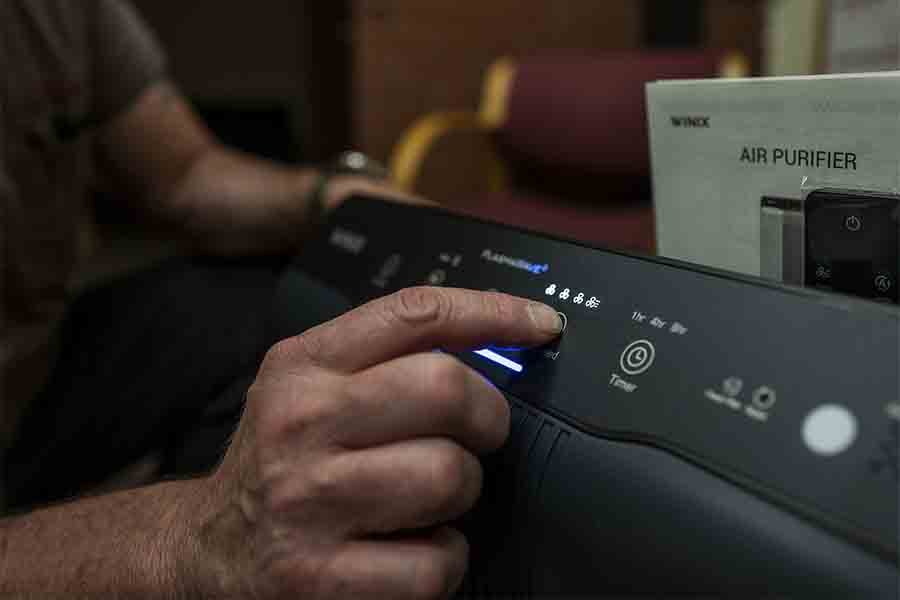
point(500, 360)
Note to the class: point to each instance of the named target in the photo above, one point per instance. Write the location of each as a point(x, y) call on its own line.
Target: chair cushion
point(615, 224)
point(588, 112)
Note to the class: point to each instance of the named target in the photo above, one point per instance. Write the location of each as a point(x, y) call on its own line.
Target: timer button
point(637, 357)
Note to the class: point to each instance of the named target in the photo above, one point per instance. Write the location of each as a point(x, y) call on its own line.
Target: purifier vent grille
point(501, 561)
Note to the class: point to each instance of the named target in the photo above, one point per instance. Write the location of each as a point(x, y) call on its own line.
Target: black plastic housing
point(669, 488)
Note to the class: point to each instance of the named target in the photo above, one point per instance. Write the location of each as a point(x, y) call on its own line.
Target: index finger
point(423, 318)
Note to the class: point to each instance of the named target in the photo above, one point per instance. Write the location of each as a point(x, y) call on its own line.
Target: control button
point(437, 277)
point(450, 259)
point(732, 386)
point(893, 410)
point(637, 357)
point(823, 273)
point(887, 456)
point(390, 268)
point(565, 322)
point(764, 398)
point(883, 283)
point(678, 329)
point(829, 430)
point(853, 223)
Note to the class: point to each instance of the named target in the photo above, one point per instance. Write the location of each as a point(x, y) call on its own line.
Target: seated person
point(333, 475)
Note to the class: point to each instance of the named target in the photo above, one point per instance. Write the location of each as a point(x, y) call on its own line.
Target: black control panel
point(853, 243)
point(786, 397)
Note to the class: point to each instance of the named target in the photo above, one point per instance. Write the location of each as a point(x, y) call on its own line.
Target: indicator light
point(500, 360)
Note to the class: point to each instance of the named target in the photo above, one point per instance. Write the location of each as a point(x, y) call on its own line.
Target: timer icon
point(637, 357)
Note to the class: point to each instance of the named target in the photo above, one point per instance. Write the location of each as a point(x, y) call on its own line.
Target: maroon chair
point(570, 146)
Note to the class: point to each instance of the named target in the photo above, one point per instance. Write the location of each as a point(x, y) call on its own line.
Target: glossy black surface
point(611, 469)
point(853, 243)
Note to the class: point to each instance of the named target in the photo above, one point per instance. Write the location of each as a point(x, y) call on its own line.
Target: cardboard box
point(727, 154)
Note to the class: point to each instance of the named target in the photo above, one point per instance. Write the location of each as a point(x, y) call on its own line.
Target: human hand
point(358, 445)
point(342, 187)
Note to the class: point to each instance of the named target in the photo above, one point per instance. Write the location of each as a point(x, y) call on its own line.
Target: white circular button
point(829, 429)
point(637, 357)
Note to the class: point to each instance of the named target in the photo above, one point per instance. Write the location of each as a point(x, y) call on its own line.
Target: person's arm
point(224, 201)
point(133, 543)
point(355, 454)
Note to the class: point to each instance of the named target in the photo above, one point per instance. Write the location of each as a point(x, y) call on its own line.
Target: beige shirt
point(66, 66)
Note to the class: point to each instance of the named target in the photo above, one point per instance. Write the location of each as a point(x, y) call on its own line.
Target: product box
point(734, 161)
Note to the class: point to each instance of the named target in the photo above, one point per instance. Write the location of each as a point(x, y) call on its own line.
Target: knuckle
point(302, 349)
point(447, 381)
point(419, 305)
point(295, 412)
point(307, 348)
point(286, 491)
point(451, 474)
point(433, 577)
point(299, 574)
point(323, 481)
point(492, 417)
point(277, 492)
point(460, 402)
point(501, 307)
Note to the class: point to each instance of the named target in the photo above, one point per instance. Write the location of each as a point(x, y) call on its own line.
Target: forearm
point(232, 203)
point(132, 543)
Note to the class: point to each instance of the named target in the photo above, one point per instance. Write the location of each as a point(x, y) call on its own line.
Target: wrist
point(185, 556)
point(349, 173)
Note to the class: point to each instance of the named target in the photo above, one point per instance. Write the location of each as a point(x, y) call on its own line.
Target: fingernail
point(545, 318)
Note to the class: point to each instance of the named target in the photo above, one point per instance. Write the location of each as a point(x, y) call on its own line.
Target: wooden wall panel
point(412, 56)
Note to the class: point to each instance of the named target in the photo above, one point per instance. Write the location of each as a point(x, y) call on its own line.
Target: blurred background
point(528, 112)
point(356, 73)
point(306, 79)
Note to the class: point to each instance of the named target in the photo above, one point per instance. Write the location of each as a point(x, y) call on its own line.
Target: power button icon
point(637, 357)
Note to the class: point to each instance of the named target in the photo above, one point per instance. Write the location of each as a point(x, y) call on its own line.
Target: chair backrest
point(573, 112)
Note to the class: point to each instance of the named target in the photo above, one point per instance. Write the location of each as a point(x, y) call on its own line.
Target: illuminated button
point(637, 357)
point(829, 430)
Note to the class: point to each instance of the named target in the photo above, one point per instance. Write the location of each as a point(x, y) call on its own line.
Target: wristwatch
point(351, 162)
